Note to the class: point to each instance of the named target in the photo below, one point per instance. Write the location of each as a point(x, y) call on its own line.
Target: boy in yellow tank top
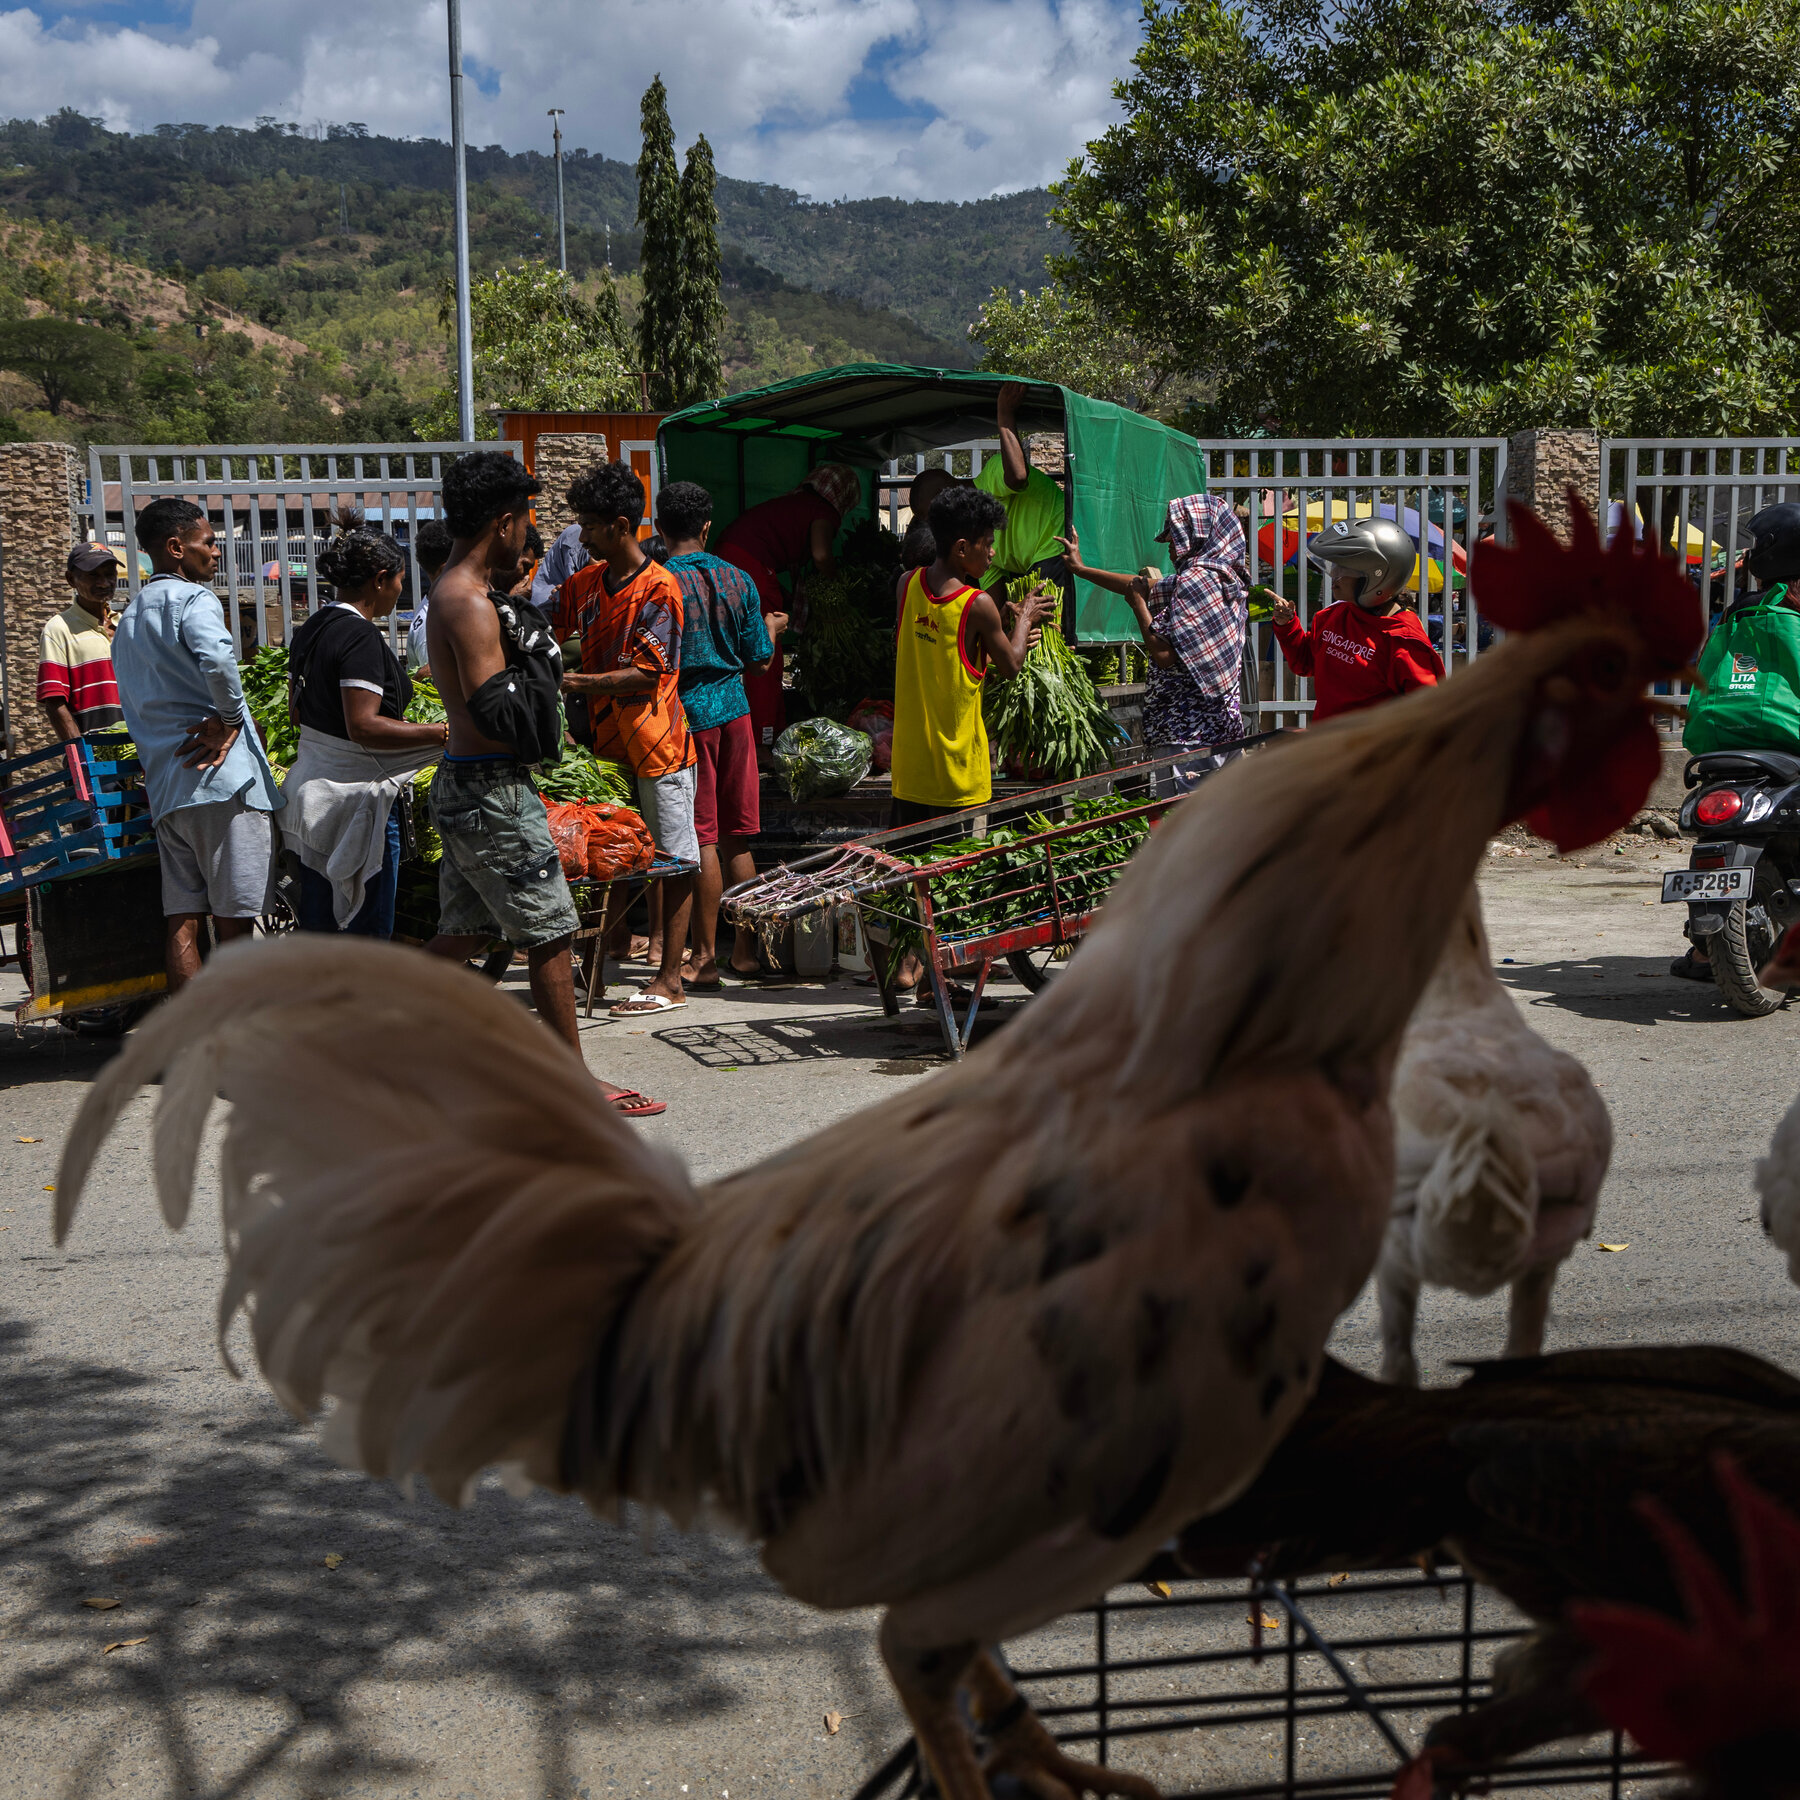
point(949, 638)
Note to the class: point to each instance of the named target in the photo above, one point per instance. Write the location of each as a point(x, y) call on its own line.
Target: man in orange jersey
point(626, 610)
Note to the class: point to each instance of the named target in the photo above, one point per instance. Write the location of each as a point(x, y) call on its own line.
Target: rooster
point(1528, 1475)
point(1501, 1144)
point(970, 1355)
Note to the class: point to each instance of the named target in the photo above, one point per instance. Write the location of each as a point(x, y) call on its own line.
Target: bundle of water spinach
point(1048, 723)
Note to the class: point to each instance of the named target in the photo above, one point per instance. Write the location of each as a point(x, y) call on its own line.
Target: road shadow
point(859, 1037)
point(48, 1052)
point(212, 1533)
point(1630, 990)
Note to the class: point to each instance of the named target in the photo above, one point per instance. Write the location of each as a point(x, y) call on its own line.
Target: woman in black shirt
point(344, 682)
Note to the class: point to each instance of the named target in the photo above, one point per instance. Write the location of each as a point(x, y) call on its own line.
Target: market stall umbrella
point(1317, 516)
point(1702, 552)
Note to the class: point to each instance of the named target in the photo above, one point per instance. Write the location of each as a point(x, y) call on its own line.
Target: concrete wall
point(39, 490)
point(559, 457)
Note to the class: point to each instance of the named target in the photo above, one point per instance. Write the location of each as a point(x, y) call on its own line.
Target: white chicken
point(1501, 1145)
point(971, 1355)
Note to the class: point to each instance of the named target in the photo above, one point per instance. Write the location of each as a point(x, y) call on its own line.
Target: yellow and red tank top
point(940, 743)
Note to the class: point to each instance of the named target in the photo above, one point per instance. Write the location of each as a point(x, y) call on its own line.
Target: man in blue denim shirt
point(209, 784)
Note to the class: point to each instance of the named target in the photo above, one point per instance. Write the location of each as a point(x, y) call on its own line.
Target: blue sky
point(932, 99)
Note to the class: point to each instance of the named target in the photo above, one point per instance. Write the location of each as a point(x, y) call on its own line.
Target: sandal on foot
point(642, 1002)
point(634, 1105)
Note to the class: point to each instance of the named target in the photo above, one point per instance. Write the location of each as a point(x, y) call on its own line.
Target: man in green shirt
point(1035, 514)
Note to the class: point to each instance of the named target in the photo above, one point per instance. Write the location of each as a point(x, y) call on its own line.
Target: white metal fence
point(1697, 497)
point(271, 504)
point(1444, 492)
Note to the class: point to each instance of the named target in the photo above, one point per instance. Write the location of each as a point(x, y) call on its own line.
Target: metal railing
point(1697, 496)
point(1443, 491)
point(271, 504)
point(896, 477)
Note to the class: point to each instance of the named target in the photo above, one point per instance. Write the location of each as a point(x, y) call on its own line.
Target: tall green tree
point(659, 255)
point(1475, 215)
point(539, 345)
point(695, 370)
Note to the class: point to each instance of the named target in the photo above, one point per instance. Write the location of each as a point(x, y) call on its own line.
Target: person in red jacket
point(1365, 646)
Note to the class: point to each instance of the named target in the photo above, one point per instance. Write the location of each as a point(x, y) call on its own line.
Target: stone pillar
point(558, 458)
point(40, 487)
point(1541, 466)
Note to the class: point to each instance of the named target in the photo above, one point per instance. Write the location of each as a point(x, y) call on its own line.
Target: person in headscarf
point(1192, 622)
point(788, 535)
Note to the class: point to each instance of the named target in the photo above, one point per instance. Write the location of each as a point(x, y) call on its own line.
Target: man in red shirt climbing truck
point(1365, 646)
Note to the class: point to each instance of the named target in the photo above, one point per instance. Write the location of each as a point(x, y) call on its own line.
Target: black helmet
point(1775, 543)
point(1377, 551)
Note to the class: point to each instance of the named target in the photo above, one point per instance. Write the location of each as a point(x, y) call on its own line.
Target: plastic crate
point(69, 810)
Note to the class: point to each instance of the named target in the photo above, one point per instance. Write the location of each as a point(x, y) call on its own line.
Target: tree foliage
point(659, 246)
point(695, 371)
point(1472, 215)
point(539, 346)
point(67, 361)
point(1059, 335)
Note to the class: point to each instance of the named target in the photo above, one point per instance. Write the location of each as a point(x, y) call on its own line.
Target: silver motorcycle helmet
point(1377, 551)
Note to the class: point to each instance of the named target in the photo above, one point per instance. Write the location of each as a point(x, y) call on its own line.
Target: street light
point(465, 349)
point(562, 236)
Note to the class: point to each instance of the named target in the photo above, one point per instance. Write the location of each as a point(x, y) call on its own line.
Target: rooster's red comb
point(1535, 581)
point(1731, 1673)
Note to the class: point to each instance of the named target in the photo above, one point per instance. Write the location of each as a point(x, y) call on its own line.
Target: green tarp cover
point(1124, 469)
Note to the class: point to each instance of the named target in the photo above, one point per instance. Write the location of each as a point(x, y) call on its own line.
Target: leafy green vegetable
point(1048, 722)
point(845, 653)
point(426, 706)
point(581, 775)
point(265, 683)
point(1012, 890)
point(821, 758)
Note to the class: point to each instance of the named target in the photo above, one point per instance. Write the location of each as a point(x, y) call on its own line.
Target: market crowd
point(657, 648)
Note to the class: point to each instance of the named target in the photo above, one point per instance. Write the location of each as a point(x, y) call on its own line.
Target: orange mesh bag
point(570, 832)
point(619, 842)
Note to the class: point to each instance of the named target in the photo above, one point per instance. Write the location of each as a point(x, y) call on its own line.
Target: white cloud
point(1015, 87)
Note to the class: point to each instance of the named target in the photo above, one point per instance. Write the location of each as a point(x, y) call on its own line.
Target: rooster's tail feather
point(431, 1216)
point(1472, 1194)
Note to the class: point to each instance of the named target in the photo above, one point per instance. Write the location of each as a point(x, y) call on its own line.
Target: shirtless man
point(501, 876)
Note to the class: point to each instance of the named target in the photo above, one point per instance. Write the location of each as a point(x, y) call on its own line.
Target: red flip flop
point(635, 1105)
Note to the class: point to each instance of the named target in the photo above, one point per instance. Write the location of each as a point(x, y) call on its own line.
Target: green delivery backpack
point(1750, 671)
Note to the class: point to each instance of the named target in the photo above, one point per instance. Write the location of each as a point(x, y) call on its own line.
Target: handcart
point(80, 882)
point(1316, 1689)
point(1028, 899)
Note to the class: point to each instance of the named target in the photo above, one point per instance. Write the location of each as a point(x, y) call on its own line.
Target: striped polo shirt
point(75, 664)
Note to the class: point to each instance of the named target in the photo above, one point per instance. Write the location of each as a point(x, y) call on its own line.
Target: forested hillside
point(227, 197)
point(341, 247)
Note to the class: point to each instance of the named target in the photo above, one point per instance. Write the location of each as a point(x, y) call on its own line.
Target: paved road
point(523, 1649)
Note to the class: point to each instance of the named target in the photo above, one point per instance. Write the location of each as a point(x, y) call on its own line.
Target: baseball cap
point(84, 559)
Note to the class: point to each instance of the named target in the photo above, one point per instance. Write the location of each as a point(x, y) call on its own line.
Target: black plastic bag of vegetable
point(821, 758)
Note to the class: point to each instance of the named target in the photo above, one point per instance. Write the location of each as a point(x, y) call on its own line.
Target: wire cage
point(1317, 1689)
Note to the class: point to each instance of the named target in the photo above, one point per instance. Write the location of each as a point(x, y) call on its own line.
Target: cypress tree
point(695, 370)
point(659, 258)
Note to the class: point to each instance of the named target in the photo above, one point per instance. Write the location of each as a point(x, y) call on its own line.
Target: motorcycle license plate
point(1685, 885)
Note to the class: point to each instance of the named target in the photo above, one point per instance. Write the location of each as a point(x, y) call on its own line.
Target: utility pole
point(465, 349)
point(562, 236)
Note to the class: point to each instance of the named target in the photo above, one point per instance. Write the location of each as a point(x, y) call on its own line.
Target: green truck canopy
point(1123, 468)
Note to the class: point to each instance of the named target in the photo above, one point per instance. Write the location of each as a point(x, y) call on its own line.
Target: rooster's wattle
point(971, 1354)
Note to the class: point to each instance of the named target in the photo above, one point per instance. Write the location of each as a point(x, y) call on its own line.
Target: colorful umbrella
point(1317, 514)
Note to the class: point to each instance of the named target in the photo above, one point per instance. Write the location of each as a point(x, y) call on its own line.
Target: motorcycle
point(1742, 883)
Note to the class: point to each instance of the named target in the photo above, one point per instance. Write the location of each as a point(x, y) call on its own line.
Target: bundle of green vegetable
point(265, 682)
point(969, 902)
point(426, 706)
point(581, 775)
point(1048, 723)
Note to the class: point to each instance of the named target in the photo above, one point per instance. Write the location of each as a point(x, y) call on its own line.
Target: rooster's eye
point(1605, 669)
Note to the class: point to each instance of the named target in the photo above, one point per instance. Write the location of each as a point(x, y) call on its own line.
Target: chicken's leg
point(1397, 1289)
point(1023, 1749)
point(1528, 1313)
point(926, 1681)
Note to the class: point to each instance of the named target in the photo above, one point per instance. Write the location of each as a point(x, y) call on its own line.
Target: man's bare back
point(462, 633)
